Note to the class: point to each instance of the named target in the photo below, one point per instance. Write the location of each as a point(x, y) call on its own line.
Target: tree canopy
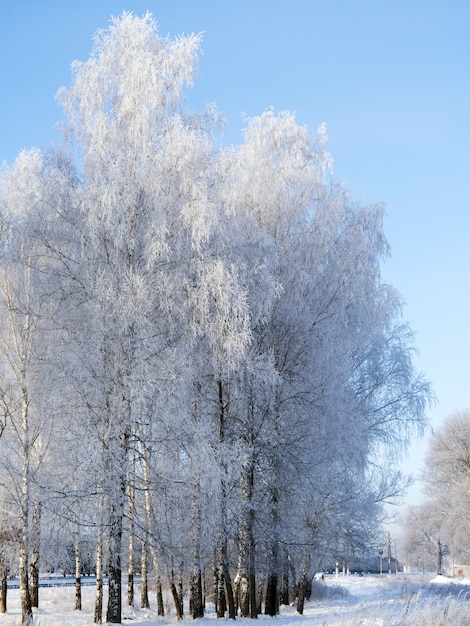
point(200, 360)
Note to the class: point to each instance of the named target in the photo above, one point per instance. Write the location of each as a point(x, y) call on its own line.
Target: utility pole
point(439, 557)
point(389, 555)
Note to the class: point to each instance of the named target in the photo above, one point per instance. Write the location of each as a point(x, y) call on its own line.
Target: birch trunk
point(131, 508)
point(236, 593)
point(25, 597)
point(78, 571)
point(176, 598)
point(253, 595)
point(130, 576)
point(224, 591)
point(78, 563)
point(243, 594)
point(144, 594)
point(158, 582)
point(272, 600)
point(34, 563)
point(3, 582)
point(180, 588)
point(160, 605)
point(98, 617)
point(3, 591)
point(259, 597)
point(117, 497)
point(272, 592)
point(150, 521)
point(229, 589)
point(284, 596)
point(245, 569)
point(130, 564)
point(196, 600)
point(114, 609)
point(215, 581)
point(223, 567)
point(304, 582)
point(221, 605)
point(271, 606)
point(302, 591)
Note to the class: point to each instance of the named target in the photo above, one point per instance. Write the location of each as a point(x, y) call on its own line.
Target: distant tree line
point(438, 527)
point(202, 375)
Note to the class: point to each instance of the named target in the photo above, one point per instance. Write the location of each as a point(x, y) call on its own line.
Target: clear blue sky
point(390, 79)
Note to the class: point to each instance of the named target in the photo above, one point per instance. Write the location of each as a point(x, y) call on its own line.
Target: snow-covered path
point(346, 601)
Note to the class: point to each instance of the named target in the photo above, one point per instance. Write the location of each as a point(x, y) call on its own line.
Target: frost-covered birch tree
point(223, 341)
point(316, 303)
point(145, 216)
point(27, 345)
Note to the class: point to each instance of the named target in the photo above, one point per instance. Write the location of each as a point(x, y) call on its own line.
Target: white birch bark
point(98, 613)
point(25, 598)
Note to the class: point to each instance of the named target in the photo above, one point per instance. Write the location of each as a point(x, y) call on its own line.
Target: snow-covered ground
point(389, 600)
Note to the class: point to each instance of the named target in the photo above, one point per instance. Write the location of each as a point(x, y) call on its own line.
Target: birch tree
point(312, 321)
point(145, 215)
point(25, 343)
